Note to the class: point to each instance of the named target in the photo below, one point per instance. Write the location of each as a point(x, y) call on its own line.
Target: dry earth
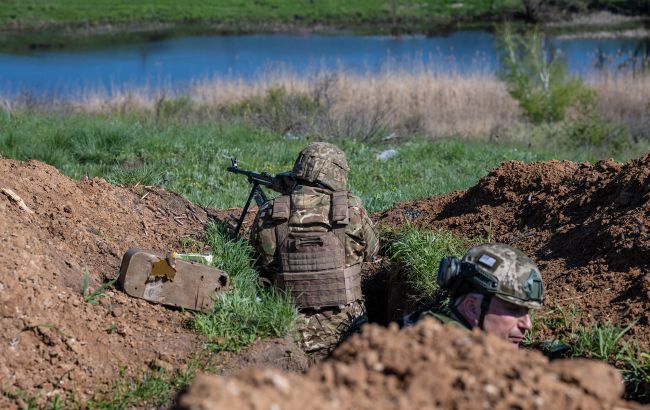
point(52, 340)
point(429, 366)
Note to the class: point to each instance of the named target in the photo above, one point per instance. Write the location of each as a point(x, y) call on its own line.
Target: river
point(175, 62)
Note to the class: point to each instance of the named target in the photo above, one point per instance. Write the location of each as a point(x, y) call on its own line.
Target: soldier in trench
point(312, 243)
point(492, 288)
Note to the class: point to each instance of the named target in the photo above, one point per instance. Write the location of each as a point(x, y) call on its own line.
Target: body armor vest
point(310, 233)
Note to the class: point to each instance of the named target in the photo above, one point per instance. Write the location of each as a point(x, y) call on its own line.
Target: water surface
point(175, 62)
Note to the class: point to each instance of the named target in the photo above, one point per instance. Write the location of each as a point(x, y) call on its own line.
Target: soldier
point(491, 288)
point(312, 243)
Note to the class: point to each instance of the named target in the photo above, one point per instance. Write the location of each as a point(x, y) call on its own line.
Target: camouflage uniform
point(311, 209)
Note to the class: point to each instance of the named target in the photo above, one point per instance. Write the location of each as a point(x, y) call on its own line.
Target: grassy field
point(238, 15)
point(368, 106)
point(191, 157)
point(32, 14)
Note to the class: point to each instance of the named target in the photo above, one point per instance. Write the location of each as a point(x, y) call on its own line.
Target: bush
point(538, 78)
point(592, 131)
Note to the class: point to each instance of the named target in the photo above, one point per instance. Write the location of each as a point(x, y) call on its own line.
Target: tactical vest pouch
point(281, 208)
point(324, 289)
point(311, 252)
point(340, 207)
point(313, 270)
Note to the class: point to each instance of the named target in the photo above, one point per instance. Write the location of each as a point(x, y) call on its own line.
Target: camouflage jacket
point(310, 210)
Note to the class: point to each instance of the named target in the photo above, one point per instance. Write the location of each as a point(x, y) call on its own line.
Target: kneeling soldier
point(312, 243)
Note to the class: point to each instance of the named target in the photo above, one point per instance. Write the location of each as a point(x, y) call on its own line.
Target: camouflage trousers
point(319, 332)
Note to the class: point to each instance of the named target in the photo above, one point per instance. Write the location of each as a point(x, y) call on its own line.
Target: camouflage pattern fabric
point(519, 279)
point(444, 316)
point(322, 163)
point(311, 213)
point(318, 333)
point(322, 170)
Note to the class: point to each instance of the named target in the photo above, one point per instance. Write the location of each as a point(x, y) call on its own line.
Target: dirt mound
point(424, 367)
point(587, 226)
point(51, 338)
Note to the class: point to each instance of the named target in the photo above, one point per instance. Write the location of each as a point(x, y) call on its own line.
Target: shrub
point(538, 79)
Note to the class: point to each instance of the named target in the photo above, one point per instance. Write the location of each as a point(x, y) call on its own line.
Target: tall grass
point(559, 331)
point(419, 252)
point(624, 99)
point(247, 312)
point(394, 103)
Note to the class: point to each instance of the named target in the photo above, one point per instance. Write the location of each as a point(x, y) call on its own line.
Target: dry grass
point(363, 106)
point(625, 100)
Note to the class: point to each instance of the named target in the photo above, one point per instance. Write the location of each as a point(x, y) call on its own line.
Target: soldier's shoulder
point(354, 201)
point(442, 318)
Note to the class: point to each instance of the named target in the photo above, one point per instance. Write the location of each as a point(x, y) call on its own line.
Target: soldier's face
point(507, 320)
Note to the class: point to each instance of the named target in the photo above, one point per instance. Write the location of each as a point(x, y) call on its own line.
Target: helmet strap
point(460, 317)
point(485, 306)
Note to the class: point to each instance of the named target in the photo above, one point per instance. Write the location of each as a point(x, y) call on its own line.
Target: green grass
point(419, 253)
point(93, 296)
point(58, 13)
point(156, 389)
point(191, 157)
point(559, 332)
point(247, 312)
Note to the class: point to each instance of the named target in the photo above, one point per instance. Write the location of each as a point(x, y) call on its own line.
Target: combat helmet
point(494, 269)
point(322, 163)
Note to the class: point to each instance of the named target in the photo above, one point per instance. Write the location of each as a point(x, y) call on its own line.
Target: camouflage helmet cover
point(519, 279)
point(324, 163)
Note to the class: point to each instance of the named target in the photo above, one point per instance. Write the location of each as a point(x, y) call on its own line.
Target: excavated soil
point(427, 366)
point(51, 338)
point(587, 226)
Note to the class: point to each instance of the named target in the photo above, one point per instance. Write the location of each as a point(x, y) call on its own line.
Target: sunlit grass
point(247, 312)
point(191, 157)
point(559, 331)
point(419, 252)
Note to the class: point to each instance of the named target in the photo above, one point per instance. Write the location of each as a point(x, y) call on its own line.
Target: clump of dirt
point(427, 366)
point(587, 226)
point(52, 340)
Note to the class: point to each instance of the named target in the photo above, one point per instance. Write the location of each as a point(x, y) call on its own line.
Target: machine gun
point(282, 183)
